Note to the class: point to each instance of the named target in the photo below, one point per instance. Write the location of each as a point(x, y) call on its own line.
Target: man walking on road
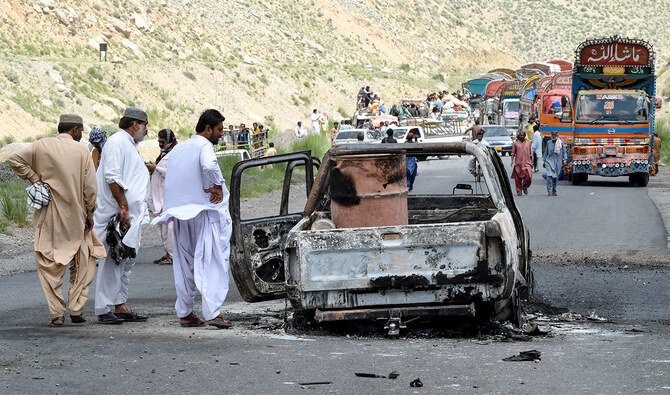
point(63, 225)
point(536, 147)
point(554, 158)
point(522, 165)
point(123, 188)
point(196, 202)
point(474, 130)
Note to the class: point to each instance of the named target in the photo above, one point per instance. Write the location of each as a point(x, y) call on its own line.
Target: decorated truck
point(613, 104)
point(509, 106)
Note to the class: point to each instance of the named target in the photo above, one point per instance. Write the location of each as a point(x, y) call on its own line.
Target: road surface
point(623, 348)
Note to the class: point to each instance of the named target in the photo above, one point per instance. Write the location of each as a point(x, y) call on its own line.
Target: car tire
point(303, 318)
point(509, 310)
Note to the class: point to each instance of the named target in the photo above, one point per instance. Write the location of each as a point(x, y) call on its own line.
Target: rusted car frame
point(456, 255)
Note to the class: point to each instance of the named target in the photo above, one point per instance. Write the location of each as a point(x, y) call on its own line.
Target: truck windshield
point(511, 109)
point(612, 107)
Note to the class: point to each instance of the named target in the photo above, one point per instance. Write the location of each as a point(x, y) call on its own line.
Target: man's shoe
point(191, 321)
point(525, 191)
point(56, 322)
point(157, 261)
point(553, 193)
point(109, 319)
point(132, 317)
point(220, 322)
point(77, 319)
point(167, 260)
point(518, 193)
point(548, 193)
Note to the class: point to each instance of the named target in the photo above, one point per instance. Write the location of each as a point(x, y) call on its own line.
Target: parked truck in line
point(613, 108)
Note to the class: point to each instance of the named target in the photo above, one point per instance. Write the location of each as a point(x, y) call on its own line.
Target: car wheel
point(509, 310)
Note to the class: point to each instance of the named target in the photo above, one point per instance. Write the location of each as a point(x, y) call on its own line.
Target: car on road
point(351, 136)
point(400, 132)
point(362, 248)
point(498, 138)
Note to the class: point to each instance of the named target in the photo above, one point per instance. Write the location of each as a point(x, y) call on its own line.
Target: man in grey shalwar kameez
point(554, 158)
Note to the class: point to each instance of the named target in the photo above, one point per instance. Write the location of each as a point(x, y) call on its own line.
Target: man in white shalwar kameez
point(196, 201)
point(123, 188)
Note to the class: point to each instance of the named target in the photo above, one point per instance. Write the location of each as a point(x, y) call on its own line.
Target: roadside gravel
point(16, 245)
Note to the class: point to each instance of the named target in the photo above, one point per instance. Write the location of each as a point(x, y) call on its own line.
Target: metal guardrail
point(253, 143)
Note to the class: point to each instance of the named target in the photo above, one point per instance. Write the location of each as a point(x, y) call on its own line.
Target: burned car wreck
point(364, 247)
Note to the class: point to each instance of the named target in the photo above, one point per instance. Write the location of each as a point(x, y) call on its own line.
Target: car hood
point(498, 140)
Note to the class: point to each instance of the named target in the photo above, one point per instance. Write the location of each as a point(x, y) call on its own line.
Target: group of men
point(83, 215)
point(316, 122)
point(527, 153)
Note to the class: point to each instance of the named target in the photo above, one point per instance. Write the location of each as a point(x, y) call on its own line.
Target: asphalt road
point(605, 213)
point(623, 348)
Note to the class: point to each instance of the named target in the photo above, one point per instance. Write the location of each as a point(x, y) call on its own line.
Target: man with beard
point(166, 141)
point(63, 169)
point(123, 186)
point(196, 202)
point(522, 163)
point(554, 159)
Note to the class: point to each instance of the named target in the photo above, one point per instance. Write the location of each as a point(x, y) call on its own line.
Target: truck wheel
point(642, 179)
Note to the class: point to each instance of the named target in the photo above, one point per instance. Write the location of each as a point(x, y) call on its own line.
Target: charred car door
point(256, 252)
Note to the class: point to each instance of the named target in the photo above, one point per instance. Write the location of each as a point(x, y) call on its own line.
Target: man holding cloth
point(554, 159)
point(63, 225)
point(123, 187)
point(196, 202)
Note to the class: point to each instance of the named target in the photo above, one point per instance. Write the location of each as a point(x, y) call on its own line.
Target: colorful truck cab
point(613, 103)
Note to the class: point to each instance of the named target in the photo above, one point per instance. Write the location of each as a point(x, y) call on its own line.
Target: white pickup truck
point(363, 248)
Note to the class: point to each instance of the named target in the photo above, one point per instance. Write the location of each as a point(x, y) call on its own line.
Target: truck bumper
point(610, 161)
point(401, 312)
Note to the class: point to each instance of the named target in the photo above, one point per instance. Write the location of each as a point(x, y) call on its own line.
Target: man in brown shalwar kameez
point(522, 163)
point(63, 228)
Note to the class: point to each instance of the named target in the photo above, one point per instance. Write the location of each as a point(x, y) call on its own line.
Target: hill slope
point(273, 62)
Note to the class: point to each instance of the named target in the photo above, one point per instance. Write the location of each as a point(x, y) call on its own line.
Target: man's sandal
point(191, 321)
point(56, 322)
point(220, 322)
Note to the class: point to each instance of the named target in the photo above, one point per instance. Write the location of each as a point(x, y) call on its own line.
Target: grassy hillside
point(273, 62)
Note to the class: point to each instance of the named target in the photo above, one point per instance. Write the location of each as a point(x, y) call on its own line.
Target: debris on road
point(416, 383)
point(393, 375)
point(530, 355)
point(594, 317)
point(370, 375)
point(316, 383)
point(291, 337)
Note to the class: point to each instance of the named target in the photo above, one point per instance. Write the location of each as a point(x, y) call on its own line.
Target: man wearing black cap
point(63, 170)
point(123, 186)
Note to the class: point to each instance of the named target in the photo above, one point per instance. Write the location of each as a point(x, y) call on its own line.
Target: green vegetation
point(7, 140)
point(259, 181)
point(662, 129)
point(343, 112)
point(404, 67)
point(13, 204)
